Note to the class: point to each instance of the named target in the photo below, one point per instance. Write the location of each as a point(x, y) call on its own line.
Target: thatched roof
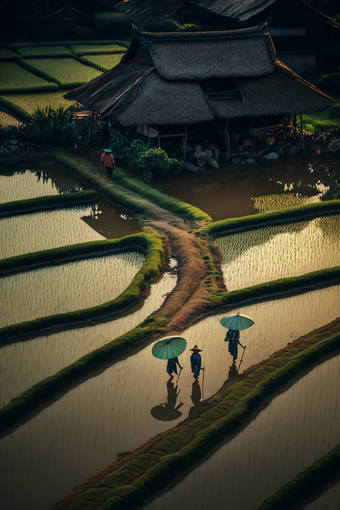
point(145, 11)
point(197, 60)
point(169, 81)
point(282, 92)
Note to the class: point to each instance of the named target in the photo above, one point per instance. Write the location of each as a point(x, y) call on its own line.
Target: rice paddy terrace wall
point(199, 438)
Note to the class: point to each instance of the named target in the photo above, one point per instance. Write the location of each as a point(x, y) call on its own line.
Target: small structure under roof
point(168, 79)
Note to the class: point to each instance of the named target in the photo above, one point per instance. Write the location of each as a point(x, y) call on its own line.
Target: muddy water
point(114, 411)
point(228, 193)
point(25, 363)
point(290, 434)
point(67, 287)
point(280, 252)
point(24, 184)
point(50, 229)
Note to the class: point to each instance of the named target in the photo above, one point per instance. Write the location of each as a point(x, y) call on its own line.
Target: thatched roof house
point(187, 78)
point(306, 39)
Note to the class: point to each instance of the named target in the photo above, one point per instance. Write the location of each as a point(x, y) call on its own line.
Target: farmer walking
point(172, 367)
point(195, 361)
point(108, 162)
point(232, 337)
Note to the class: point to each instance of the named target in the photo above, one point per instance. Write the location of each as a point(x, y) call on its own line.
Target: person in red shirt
point(108, 162)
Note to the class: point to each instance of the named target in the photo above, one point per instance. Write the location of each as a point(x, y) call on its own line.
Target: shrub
point(84, 33)
point(142, 159)
point(335, 112)
point(111, 24)
point(170, 25)
point(331, 82)
point(56, 127)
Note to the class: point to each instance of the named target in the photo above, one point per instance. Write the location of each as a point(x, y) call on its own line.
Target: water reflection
point(168, 411)
point(228, 193)
point(110, 221)
point(25, 183)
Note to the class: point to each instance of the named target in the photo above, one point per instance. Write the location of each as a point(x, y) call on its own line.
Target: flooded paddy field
point(279, 251)
point(66, 287)
point(329, 499)
point(115, 411)
point(50, 229)
point(119, 408)
point(289, 434)
point(25, 363)
point(231, 193)
point(27, 183)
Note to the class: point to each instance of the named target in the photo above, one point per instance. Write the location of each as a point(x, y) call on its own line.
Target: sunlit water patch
point(84, 430)
point(271, 253)
point(67, 287)
point(44, 230)
point(24, 184)
point(25, 363)
point(297, 428)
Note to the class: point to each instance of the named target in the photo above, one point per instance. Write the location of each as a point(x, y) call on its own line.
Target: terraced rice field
point(277, 252)
point(16, 79)
point(106, 61)
point(66, 72)
point(67, 287)
point(96, 49)
point(44, 51)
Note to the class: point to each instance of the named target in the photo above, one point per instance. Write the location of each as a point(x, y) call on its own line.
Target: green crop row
point(16, 109)
point(44, 51)
point(47, 202)
point(124, 41)
point(90, 49)
point(19, 80)
point(8, 55)
point(67, 73)
point(172, 204)
point(141, 477)
point(101, 62)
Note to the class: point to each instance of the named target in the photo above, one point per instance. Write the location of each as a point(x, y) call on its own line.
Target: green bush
point(170, 25)
point(335, 112)
point(55, 127)
point(84, 33)
point(142, 159)
point(331, 82)
point(111, 24)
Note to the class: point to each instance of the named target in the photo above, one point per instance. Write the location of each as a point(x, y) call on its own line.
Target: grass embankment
point(174, 205)
point(305, 484)
point(291, 214)
point(89, 172)
point(149, 243)
point(48, 202)
point(140, 474)
point(16, 109)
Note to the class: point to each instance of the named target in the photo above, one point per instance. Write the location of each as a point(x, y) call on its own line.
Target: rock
point(212, 162)
point(13, 148)
point(271, 155)
point(250, 160)
point(235, 160)
point(293, 151)
point(217, 155)
point(13, 142)
point(281, 152)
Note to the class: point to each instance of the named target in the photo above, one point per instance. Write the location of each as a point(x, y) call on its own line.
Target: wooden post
point(185, 139)
point(301, 127)
point(90, 128)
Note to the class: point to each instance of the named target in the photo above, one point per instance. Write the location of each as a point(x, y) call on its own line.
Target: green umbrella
point(169, 347)
point(237, 322)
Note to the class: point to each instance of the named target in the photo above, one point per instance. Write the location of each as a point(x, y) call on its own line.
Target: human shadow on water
point(168, 411)
point(196, 393)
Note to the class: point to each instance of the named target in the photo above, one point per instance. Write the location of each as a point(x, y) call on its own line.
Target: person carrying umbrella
point(171, 367)
point(195, 361)
point(170, 348)
point(108, 162)
point(233, 337)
